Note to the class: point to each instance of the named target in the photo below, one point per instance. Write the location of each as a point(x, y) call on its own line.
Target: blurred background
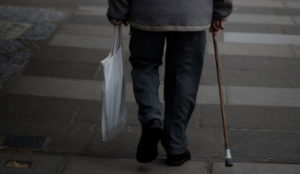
point(50, 99)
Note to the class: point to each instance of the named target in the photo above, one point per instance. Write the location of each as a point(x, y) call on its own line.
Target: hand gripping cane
point(228, 158)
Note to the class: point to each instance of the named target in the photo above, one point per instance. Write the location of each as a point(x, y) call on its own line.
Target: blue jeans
point(183, 67)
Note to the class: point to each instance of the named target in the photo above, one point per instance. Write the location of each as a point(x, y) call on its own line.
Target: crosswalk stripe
point(91, 90)
point(262, 38)
point(92, 10)
point(260, 19)
point(104, 42)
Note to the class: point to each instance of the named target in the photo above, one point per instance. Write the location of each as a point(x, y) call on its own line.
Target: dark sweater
point(169, 15)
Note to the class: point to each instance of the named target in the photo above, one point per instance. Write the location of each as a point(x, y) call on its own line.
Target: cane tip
point(228, 162)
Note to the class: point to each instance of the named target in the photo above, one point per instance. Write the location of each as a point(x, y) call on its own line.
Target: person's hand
point(118, 22)
point(216, 26)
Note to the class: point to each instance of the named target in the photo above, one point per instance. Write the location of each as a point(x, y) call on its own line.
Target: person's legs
point(146, 50)
point(184, 61)
point(146, 56)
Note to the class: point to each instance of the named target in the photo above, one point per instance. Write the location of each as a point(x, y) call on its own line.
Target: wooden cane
point(228, 158)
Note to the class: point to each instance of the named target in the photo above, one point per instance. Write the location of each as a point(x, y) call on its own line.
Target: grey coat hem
point(168, 28)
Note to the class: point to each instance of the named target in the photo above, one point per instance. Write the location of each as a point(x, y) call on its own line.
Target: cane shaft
point(221, 91)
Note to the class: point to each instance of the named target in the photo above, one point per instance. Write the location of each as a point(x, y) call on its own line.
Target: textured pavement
point(58, 96)
point(23, 30)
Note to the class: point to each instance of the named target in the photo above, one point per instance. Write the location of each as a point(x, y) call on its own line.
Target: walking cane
point(228, 158)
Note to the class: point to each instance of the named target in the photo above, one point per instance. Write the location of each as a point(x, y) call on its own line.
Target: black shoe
point(147, 148)
point(177, 160)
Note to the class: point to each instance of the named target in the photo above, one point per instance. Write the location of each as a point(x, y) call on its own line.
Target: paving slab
point(258, 168)
point(237, 62)
point(279, 79)
point(208, 94)
point(127, 71)
point(69, 54)
point(253, 10)
point(92, 10)
point(95, 30)
point(254, 28)
point(57, 87)
point(128, 166)
point(265, 67)
point(206, 143)
point(89, 20)
point(86, 2)
point(35, 107)
point(91, 90)
point(260, 8)
point(244, 49)
point(82, 41)
point(203, 142)
point(242, 77)
point(269, 146)
point(209, 76)
point(287, 11)
point(34, 3)
point(251, 117)
point(259, 3)
point(209, 61)
point(236, 77)
point(296, 50)
point(90, 112)
point(261, 38)
point(62, 136)
point(291, 30)
point(124, 143)
point(293, 5)
point(61, 69)
point(45, 164)
point(260, 19)
point(87, 89)
point(261, 96)
point(297, 20)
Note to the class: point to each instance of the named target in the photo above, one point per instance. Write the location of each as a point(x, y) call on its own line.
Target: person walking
point(178, 25)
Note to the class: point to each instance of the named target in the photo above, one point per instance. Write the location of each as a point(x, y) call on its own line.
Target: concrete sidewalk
point(51, 110)
point(49, 164)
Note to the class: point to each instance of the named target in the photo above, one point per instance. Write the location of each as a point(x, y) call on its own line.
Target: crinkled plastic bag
point(114, 111)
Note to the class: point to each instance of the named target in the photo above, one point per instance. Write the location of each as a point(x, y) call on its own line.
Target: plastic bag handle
point(116, 39)
point(116, 44)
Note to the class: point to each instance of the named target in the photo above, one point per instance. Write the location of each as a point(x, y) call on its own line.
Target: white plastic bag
point(114, 111)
